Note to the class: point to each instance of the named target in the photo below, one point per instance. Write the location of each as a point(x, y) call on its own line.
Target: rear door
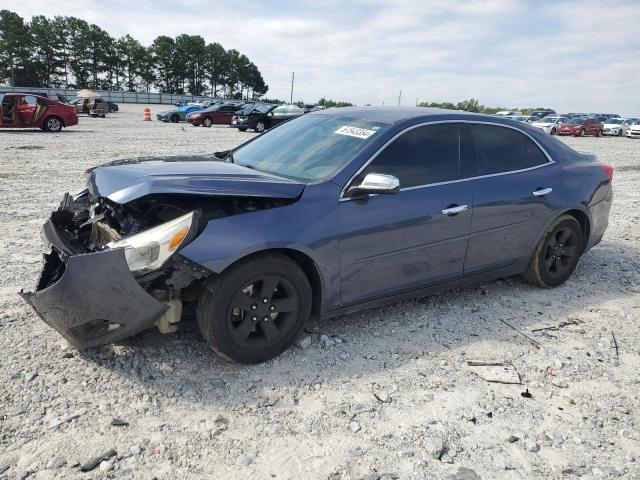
point(401, 242)
point(512, 197)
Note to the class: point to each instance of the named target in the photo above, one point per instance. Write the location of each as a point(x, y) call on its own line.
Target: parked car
point(94, 107)
point(178, 114)
point(634, 130)
point(24, 110)
point(215, 115)
point(614, 126)
point(508, 113)
point(331, 212)
point(113, 107)
point(542, 113)
point(549, 124)
point(256, 116)
point(579, 127)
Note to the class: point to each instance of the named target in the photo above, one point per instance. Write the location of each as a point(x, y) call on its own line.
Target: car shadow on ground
point(365, 343)
point(64, 131)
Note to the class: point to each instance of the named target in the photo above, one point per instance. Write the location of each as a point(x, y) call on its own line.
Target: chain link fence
point(112, 96)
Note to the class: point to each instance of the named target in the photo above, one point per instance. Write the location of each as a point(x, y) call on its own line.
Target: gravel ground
point(386, 393)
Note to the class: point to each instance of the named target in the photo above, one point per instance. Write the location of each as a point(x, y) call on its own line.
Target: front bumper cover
point(96, 299)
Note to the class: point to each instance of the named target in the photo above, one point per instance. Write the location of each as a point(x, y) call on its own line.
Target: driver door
point(417, 237)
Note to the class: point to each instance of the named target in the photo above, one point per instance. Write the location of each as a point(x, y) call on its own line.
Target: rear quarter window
point(501, 149)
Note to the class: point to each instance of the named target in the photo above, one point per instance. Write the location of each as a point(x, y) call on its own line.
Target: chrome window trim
point(551, 161)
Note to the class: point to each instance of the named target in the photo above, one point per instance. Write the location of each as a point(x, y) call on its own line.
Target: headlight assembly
point(149, 250)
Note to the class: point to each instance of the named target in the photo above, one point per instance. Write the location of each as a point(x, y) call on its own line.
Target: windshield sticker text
point(355, 132)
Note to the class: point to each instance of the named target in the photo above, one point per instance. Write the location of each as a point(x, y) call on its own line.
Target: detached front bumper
point(90, 298)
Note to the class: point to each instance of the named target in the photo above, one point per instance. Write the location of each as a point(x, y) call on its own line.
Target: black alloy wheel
point(261, 313)
point(557, 253)
point(175, 118)
point(255, 309)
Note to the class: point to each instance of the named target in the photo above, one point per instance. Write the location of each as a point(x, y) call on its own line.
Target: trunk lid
point(122, 181)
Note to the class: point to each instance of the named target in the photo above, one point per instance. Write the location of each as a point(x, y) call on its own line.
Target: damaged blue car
point(332, 212)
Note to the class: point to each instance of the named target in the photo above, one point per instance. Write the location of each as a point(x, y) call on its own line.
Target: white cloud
point(574, 56)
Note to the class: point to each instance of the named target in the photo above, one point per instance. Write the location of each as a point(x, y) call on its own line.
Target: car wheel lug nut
point(265, 300)
point(265, 319)
point(253, 306)
point(254, 318)
point(272, 308)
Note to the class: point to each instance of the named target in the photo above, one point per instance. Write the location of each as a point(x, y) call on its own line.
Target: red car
point(25, 110)
point(579, 127)
point(214, 115)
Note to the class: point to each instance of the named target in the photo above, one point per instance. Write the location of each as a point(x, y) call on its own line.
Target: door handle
point(454, 210)
point(541, 192)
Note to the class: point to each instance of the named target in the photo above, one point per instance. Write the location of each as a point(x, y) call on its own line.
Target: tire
point(243, 129)
point(556, 255)
point(582, 132)
point(234, 318)
point(599, 134)
point(260, 127)
point(53, 124)
point(553, 131)
point(175, 118)
point(620, 132)
point(207, 122)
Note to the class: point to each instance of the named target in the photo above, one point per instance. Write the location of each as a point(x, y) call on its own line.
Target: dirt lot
point(387, 393)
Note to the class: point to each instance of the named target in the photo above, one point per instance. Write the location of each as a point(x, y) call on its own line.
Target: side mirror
point(375, 183)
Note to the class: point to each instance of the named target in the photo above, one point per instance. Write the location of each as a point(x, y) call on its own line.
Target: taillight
point(608, 169)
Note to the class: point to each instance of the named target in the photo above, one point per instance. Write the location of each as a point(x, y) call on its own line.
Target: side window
point(30, 100)
point(422, 156)
point(500, 149)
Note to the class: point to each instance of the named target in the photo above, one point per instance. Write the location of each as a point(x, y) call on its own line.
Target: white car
point(615, 126)
point(550, 124)
point(634, 130)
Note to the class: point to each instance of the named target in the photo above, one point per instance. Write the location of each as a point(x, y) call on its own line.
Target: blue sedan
point(332, 212)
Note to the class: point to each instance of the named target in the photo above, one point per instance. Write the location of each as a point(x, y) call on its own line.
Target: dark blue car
point(332, 212)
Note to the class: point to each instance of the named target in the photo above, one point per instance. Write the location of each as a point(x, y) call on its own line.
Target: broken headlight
point(149, 250)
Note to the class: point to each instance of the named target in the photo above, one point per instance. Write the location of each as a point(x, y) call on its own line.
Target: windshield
point(257, 108)
point(576, 121)
point(615, 121)
point(309, 148)
point(548, 120)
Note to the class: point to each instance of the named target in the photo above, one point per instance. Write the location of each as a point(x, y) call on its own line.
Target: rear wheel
point(175, 118)
point(207, 122)
point(582, 133)
point(620, 132)
point(254, 311)
point(52, 124)
point(599, 134)
point(260, 126)
point(243, 129)
point(557, 253)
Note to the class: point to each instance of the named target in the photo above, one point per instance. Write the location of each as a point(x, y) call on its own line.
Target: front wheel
point(557, 254)
point(207, 122)
point(582, 133)
point(620, 132)
point(175, 118)
point(553, 131)
point(254, 311)
point(53, 124)
point(599, 134)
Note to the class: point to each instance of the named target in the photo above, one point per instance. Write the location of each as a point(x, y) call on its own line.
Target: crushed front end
point(112, 270)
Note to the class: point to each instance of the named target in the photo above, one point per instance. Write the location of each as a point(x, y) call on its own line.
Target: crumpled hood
point(122, 181)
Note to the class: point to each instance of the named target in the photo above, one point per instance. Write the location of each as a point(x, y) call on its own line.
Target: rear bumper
point(95, 300)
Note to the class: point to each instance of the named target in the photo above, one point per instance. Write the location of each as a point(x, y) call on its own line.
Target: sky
point(573, 56)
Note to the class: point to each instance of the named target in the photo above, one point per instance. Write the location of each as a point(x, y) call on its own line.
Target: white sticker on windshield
point(355, 132)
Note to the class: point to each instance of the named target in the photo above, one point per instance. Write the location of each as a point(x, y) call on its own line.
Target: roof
point(391, 114)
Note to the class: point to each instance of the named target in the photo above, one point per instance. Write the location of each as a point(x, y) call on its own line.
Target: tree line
point(69, 52)
point(473, 105)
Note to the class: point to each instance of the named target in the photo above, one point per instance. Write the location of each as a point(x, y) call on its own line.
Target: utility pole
point(416, 101)
point(399, 97)
point(293, 75)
